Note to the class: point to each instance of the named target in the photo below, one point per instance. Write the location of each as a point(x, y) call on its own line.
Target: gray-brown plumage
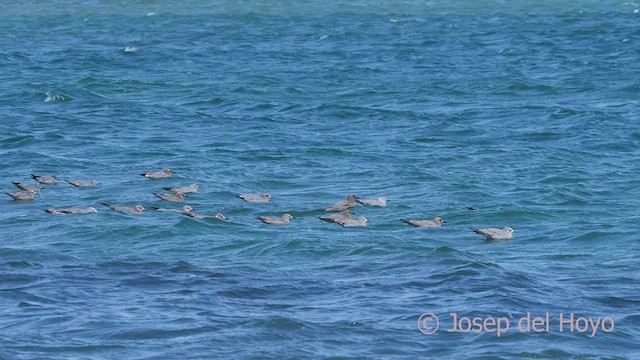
point(495, 234)
point(334, 218)
point(46, 180)
point(178, 197)
point(28, 187)
point(158, 174)
point(83, 183)
point(67, 211)
point(256, 198)
point(136, 210)
point(184, 189)
point(360, 221)
point(22, 195)
point(381, 201)
point(185, 210)
point(437, 222)
point(217, 216)
point(344, 204)
point(283, 220)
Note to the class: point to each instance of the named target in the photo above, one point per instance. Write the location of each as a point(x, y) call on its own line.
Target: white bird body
point(217, 216)
point(360, 221)
point(67, 211)
point(381, 201)
point(495, 234)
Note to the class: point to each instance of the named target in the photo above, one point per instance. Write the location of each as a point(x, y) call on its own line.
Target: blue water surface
point(527, 111)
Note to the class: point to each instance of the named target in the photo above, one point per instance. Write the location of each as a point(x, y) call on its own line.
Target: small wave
point(130, 49)
point(157, 333)
point(17, 140)
point(53, 96)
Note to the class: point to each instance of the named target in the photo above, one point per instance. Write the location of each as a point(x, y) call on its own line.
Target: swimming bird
point(437, 222)
point(346, 214)
point(67, 211)
point(217, 216)
point(471, 208)
point(184, 189)
point(344, 204)
point(22, 195)
point(28, 187)
point(158, 174)
point(185, 209)
point(178, 197)
point(285, 219)
point(82, 183)
point(260, 198)
point(381, 201)
point(495, 234)
point(360, 221)
point(137, 210)
point(46, 180)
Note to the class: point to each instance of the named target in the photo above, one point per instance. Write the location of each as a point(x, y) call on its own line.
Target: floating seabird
point(495, 234)
point(22, 195)
point(67, 211)
point(259, 198)
point(46, 180)
point(217, 216)
point(28, 187)
point(158, 174)
point(285, 219)
point(185, 209)
point(360, 221)
point(82, 183)
point(381, 201)
point(137, 210)
point(437, 222)
point(178, 197)
point(346, 214)
point(185, 189)
point(344, 204)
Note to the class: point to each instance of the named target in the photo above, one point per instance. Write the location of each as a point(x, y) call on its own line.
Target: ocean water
point(528, 111)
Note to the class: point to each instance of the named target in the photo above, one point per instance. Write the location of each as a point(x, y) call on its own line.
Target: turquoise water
point(527, 111)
